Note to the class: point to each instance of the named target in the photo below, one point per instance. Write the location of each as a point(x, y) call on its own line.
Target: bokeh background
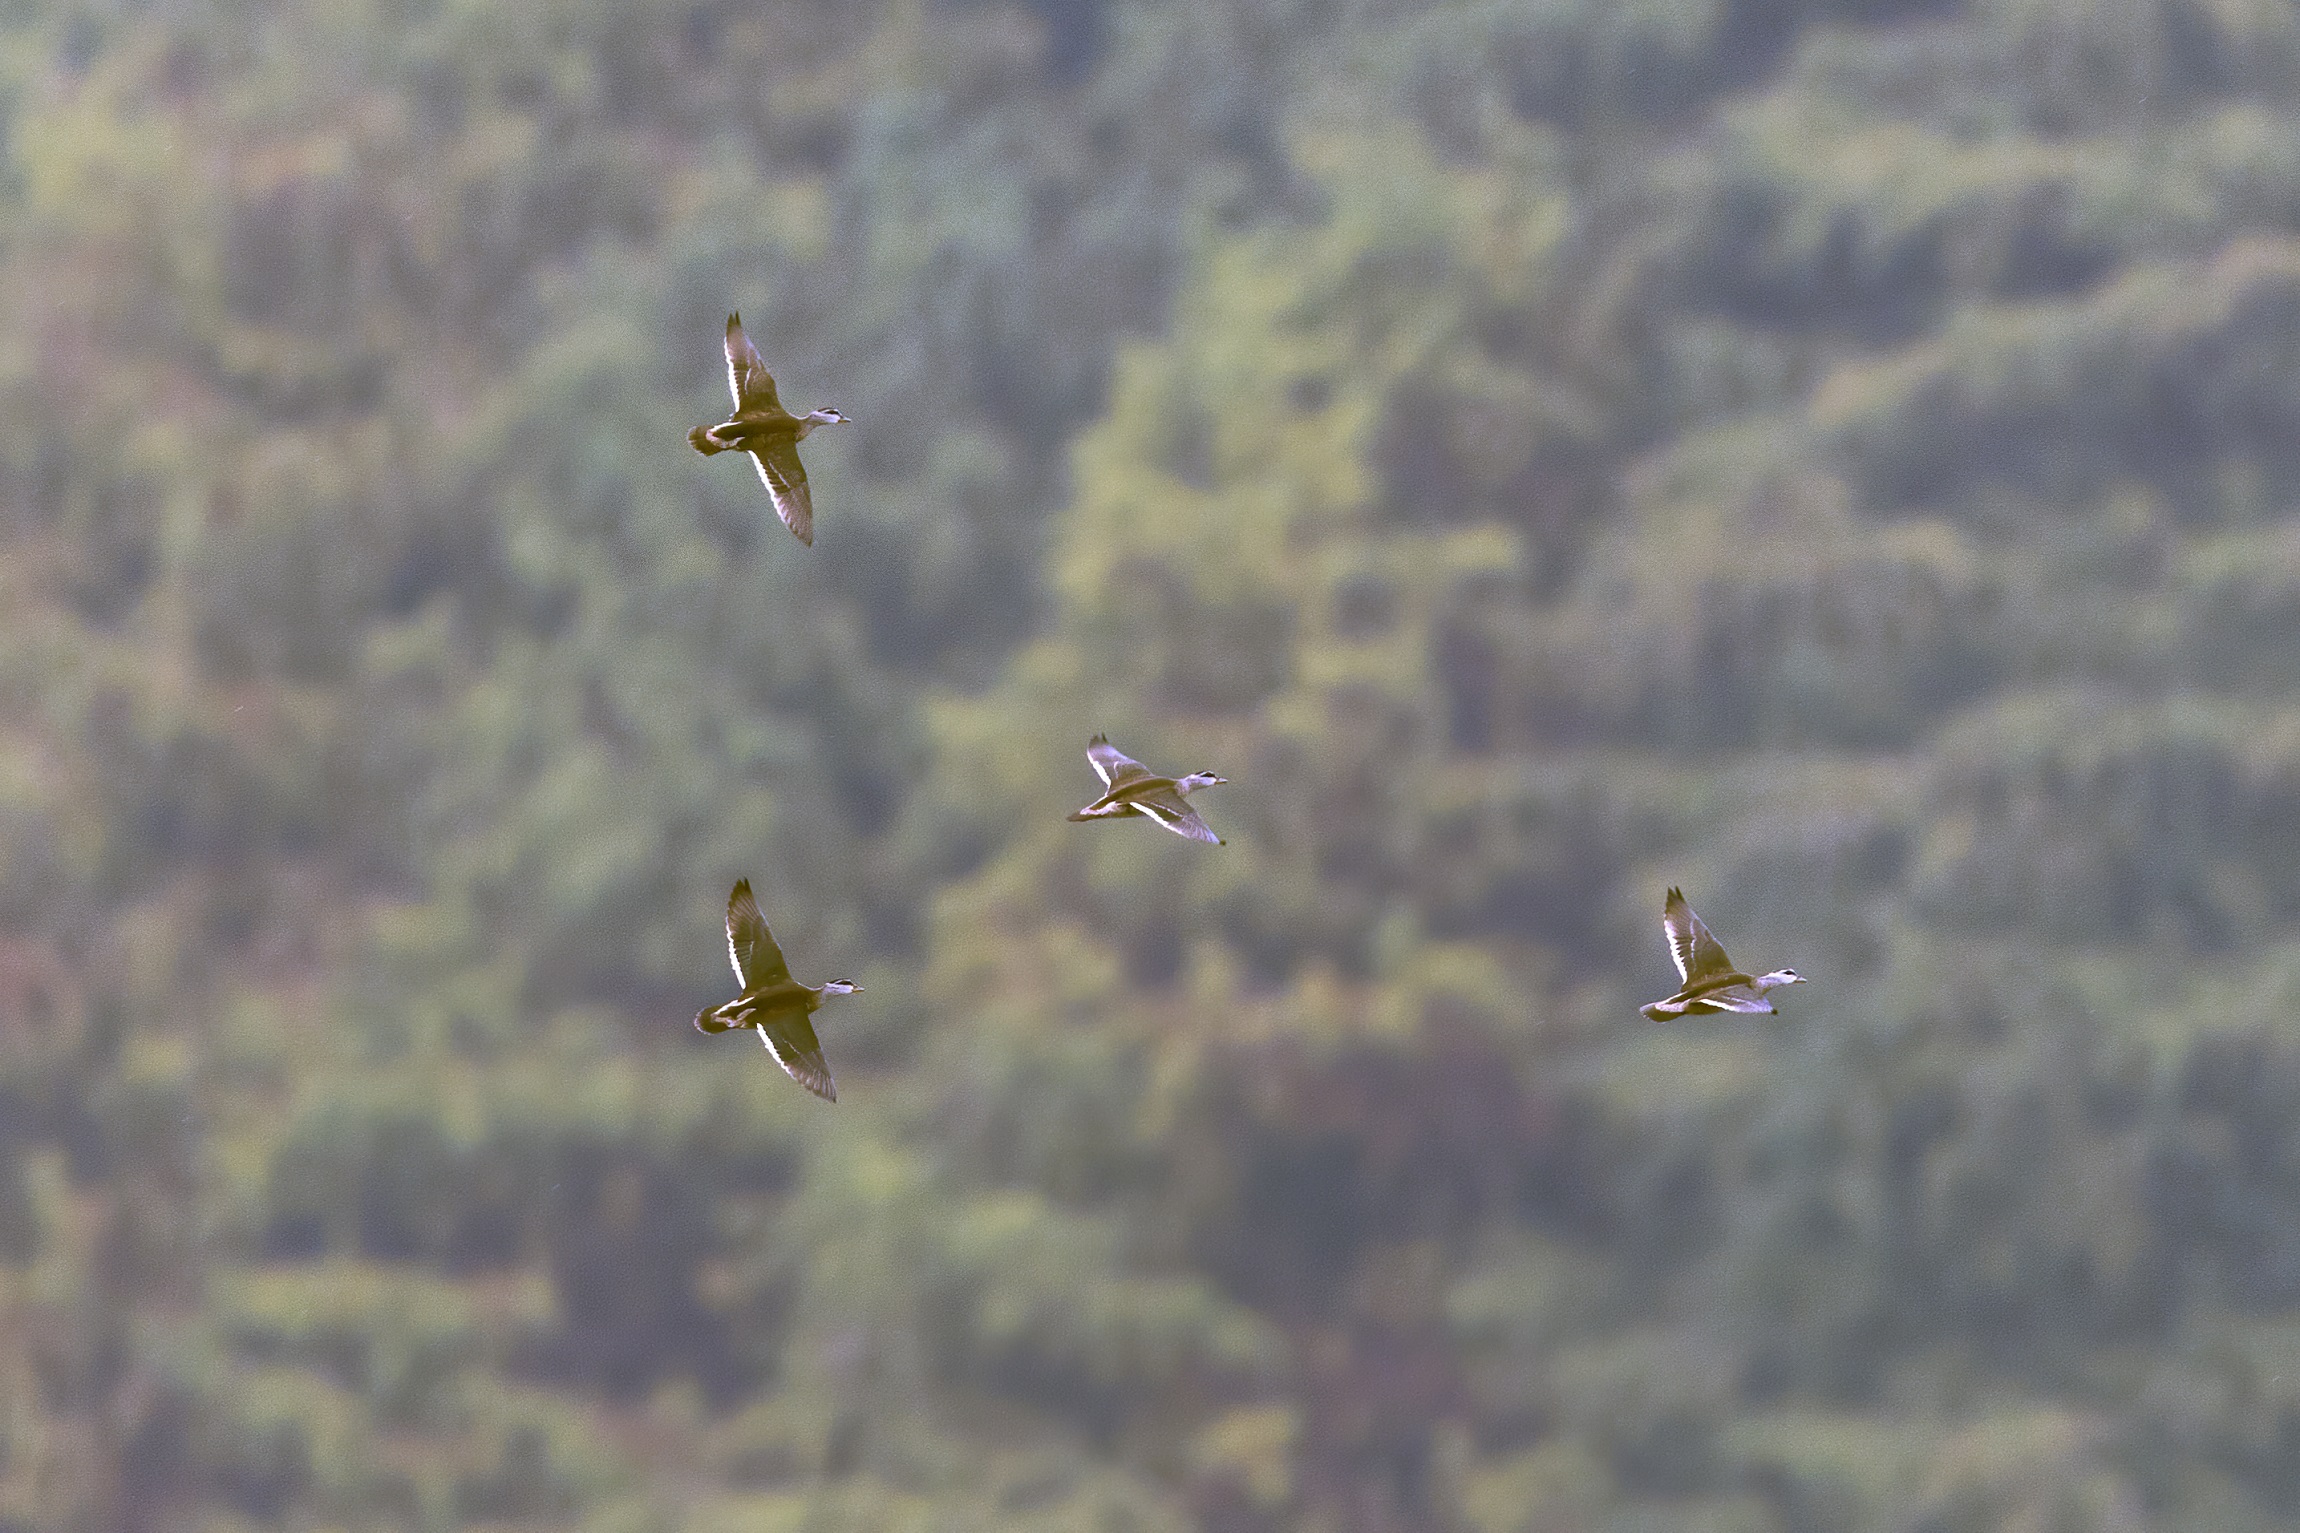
point(1842, 456)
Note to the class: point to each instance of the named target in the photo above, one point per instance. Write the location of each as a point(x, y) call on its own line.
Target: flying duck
point(774, 1003)
point(761, 427)
point(1134, 789)
point(1711, 983)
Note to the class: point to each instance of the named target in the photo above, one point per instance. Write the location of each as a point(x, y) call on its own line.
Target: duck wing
point(1698, 954)
point(786, 481)
point(1113, 765)
point(747, 376)
point(758, 962)
point(1736, 998)
point(790, 1037)
point(1169, 809)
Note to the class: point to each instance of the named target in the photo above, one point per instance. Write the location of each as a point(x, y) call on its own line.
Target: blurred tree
point(1833, 456)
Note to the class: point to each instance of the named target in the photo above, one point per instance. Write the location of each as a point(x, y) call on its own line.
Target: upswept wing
point(786, 481)
point(790, 1037)
point(1111, 764)
point(1698, 954)
point(758, 962)
point(1170, 810)
point(747, 376)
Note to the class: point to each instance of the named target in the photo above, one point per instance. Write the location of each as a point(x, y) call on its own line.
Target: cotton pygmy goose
point(773, 1002)
point(761, 427)
point(1711, 983)
point(1134, 789)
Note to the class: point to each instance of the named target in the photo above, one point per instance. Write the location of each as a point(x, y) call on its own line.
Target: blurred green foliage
point(1836, 456)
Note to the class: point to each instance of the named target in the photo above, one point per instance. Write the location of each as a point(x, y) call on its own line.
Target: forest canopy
point(1838, 456)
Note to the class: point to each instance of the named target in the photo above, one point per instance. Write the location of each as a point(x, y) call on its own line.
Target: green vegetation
point(1840, 457)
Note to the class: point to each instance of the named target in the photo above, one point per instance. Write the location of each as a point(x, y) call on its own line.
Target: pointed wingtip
point(742, 887)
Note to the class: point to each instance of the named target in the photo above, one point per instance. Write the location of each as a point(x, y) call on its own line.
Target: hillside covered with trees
point(1840, 456)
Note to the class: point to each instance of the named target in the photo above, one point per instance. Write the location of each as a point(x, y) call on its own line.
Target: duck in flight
point(1133, 788)
point(1711, 983)
point(774, 1003)
point(761, 427)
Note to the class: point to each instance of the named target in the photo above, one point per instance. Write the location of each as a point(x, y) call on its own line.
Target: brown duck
point(1133, 788)
point(1711, 983)
point(761, 427)
point(773, 1002)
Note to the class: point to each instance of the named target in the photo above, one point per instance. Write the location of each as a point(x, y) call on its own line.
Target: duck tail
point(705, 443)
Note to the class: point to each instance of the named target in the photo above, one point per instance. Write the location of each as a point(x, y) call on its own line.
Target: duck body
point(757, 433)
point(1133, 789)
point(1710, 981)
point(772, 1002)
point(747, 1009)
point(771, 434)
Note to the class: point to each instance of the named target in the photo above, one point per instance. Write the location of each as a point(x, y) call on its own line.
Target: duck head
point(1197, 780)
point(1779, 977)
point(814, 418)
point(842, 987)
